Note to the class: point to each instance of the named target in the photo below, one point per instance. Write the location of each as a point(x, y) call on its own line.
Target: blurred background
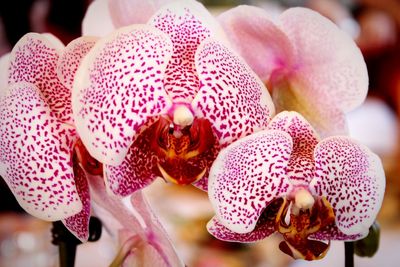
point(374, 25)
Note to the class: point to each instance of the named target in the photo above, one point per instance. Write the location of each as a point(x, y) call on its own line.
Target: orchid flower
point(284, 179)
point(162, 98)
point(39, 147)
point(307, 62)
point(42, 158)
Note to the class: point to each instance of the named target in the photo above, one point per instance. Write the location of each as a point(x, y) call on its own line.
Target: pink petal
point(138, 169)
point(117, 88)
point(79, 224)
point(4, 65)
point(318, 109)
point(35, 155)
point(265, 227)
point(353, 181)
point(127, 12)
point(136, 217)
point(187, 23)
point(301, 165)
point(157, 237)
point(231, 96)
point(331, 232)
point(34, 60)
point(247, 176)
point(97, 20)
point(71, 58)
point(328, 60)
point(112, 211)
point(258, 40)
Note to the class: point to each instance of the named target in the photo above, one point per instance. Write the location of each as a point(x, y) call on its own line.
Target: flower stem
point(67, 242)
point(349, 254)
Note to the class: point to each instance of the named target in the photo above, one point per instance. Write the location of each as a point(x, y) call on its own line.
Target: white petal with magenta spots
point(352, 179)
point(71, 58)
point(301, 166)
point(34, 60)
point(247, 176)
point(187, 23)
point(35, 155)
point(118, 87)
point(231, 96)
point(78, 224)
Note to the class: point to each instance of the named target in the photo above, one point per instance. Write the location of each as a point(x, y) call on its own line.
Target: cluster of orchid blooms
point(173, 92)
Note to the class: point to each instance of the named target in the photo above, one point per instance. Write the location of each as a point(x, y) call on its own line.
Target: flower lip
point(182, 179)
point(303, 223)
point(178, 148)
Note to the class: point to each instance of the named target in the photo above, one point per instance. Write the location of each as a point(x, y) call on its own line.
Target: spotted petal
point(118, 87)
point(138, 169)
point(257, 38)
point(247, 176)
point(187, 23)
point(301, 165)
point(79, 224)
point(34, 60)
point(328, 60)
point(71, 57)
point(231, 96)
point(35, 155)
point(353, 181)
point(331, 232)
point(265, 226)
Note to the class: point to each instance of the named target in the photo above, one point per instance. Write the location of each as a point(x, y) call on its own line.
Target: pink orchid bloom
point(307, 62)
point(40, 155)
point(283, 179)
point(42, 158)
point(161, 99)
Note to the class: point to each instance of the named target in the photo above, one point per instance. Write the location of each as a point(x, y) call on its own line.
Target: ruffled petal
point(118, 87)
point(138, 169)
point(127, 12)
point(352, 179)
point(4, 65)
point(247, 176)
point(301, 165)
point(97, 20)
point(328, 60)
point(231, 96)
point(71, 58)
point(35, 155)
point(187, 23)
point(34, 60)
point(79, 224)
point(258, 40)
